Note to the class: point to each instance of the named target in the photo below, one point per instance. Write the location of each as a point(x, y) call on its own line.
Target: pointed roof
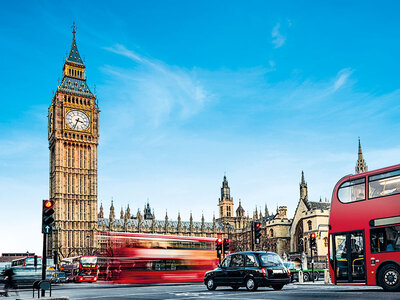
point(74, 58)
point(361, 166)
point(303, 182)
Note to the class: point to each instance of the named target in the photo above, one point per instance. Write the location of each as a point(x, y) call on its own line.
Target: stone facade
point(73, 138)
point(309, 217)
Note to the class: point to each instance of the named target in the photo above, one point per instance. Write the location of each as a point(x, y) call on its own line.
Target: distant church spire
point(303, 188)
point(361, 166)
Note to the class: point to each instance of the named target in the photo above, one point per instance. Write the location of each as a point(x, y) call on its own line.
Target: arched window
point(309, 225)
point(326, 241)
point(271, 233)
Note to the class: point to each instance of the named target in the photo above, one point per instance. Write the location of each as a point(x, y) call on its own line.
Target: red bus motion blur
point(364, 229)
point(151, 258)
point(80, 268)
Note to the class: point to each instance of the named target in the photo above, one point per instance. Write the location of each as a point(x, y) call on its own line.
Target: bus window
point(351, 191)
point(386, 239)
point(384, 184)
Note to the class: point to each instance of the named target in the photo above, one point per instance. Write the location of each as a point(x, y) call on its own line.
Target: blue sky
point(189, 90)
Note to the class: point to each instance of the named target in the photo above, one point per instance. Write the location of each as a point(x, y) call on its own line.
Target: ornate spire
point(225, 190)
point(179, 221)
point(266, 210)
point(74, 58)
point(121, 214)
point(74, 73)
point(360, 165)
point(112, 212)
point(240, 210)
point(191, 222)
point(303, 188)
point(128, 212)
point(101, 212)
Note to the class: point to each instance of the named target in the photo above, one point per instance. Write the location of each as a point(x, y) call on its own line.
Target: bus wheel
point(210, 284)
point(389, 277)
point(306, 276)
point(316, 275)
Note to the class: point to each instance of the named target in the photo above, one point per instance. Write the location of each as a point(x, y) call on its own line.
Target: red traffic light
point(48, 203)
point(313, 235)
point(258, 224)
point(219, 241)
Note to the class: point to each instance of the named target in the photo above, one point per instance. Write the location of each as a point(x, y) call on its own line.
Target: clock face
point(77, 120)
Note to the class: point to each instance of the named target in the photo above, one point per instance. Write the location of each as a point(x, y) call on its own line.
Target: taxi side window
point(226, 262)
point(251, 261)
point(237, 260)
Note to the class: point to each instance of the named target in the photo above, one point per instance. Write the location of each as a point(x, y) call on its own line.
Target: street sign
point(47, 229)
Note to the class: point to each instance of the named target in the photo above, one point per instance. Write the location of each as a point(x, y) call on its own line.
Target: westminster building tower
point(73, 133)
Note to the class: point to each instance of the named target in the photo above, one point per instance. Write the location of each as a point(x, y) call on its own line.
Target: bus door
point(349, 257)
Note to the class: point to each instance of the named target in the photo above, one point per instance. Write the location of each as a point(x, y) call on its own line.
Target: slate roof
point(75, 86)
point(74, 57)
point(319, 205)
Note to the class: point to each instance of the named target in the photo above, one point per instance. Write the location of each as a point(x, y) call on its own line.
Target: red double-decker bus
point(152, 258)
point(80, 268)
point(364, 229)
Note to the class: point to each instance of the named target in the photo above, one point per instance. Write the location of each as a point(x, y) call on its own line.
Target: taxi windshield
point(270, 260)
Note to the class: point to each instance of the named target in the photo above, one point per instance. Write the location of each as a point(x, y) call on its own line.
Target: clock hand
point(76, 123)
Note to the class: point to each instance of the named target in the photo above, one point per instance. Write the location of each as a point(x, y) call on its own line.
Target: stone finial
point(121, 215)
point(179, 222)
point(191, 222)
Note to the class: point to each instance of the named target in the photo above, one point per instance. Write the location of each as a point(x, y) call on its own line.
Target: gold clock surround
point(87, 112)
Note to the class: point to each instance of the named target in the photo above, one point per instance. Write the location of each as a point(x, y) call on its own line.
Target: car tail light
point(264, 273)
point(80, 278)
point(95, 278)
point(288, 271)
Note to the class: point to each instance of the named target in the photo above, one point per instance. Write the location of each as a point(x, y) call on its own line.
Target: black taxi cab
point(250, 270)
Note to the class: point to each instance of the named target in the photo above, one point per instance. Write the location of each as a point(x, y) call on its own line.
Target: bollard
point(301, 280)
point(327, 277)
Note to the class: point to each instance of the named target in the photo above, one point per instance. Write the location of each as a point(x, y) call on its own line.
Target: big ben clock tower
point(73, 139)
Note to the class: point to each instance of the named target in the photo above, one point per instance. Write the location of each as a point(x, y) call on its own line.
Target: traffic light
point(218, 246)
point(226, 246)
point(313, 242)
point(47, 216)
point(257, 232)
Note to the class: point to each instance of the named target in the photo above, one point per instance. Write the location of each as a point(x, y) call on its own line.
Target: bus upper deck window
point(384, 184)
point(351, 191)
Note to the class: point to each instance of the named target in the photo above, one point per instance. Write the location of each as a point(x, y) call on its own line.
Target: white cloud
point(342, 77)
point(160, 90)
point(277, 38)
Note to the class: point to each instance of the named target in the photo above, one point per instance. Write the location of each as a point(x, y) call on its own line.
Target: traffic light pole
point(252, 236)
point(312, 264)
point(44, 260)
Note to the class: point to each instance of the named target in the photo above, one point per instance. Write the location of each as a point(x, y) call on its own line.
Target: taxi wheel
point(251, 285)
point(210, 284)
point(389, 277)
point(306, 277)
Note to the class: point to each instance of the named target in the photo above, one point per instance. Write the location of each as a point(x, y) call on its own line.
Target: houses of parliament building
point(73, 135)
